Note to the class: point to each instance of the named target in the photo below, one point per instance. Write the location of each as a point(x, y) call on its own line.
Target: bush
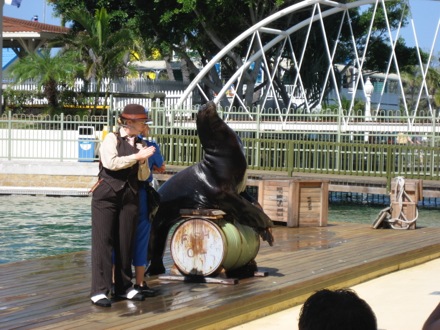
point(19, 101)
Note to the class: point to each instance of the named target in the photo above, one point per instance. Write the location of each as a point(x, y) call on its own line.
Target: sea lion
point(218, 181)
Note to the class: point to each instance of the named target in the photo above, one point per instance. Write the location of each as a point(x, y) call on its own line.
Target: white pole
point(369, 88)
point(44, 11)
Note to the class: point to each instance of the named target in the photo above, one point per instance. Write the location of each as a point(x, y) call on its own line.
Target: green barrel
point(203, 246)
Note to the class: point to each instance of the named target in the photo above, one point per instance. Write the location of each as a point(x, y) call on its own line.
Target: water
point(365, 208)
point(366, 214)
point(35, 226)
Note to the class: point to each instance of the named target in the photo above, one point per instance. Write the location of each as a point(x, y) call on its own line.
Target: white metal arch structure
point(282, 39)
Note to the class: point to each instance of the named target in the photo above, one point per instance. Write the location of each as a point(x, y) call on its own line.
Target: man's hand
point(159, 169)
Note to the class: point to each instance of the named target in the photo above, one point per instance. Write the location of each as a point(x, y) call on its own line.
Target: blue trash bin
point(86, 143)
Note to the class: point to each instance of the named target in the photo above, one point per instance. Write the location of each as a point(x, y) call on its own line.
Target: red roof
point(16, 25)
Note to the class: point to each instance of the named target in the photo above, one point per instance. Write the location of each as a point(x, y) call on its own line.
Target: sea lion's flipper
point(266, 235)
point(246, 213)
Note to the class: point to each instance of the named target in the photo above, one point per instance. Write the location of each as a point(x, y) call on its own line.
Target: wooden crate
point(409, 209)
point(298, 202)
point(413, 188)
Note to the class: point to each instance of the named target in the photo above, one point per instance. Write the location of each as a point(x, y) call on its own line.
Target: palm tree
point(412, 79)
point(48, 72)
point(433, 82)
point(104, 52)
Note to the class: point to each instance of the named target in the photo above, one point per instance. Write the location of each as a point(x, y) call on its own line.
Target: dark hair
point(336, 310)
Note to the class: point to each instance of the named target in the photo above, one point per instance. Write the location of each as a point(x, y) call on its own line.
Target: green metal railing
point(289, 156)
point(307, 149)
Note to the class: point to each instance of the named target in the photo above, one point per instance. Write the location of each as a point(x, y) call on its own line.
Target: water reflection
point(316, 238)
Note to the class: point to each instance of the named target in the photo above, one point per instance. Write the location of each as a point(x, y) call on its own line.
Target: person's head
point(134, 118)
point(336, 310)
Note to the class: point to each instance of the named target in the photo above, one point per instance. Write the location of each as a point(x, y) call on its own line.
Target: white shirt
point(110, 159)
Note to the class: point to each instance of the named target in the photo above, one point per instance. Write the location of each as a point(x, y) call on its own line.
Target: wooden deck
point(52, 293)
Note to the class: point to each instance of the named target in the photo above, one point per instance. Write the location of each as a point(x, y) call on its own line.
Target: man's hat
point(135, 112)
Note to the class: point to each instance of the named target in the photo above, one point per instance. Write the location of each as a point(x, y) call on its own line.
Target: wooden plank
point(302, 260)
point(405, 211)
point(358, 189)
point(413, 190)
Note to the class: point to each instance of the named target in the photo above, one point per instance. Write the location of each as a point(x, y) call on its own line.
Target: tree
point(433, 84)
point(412, 81)
point(48, 72)
point(104, 51)
point(123, 13)
point(205, 27)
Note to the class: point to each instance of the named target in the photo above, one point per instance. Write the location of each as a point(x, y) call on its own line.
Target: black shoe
point(104, 302)
point(145, 290)
point(137, 297)
point(155, 270)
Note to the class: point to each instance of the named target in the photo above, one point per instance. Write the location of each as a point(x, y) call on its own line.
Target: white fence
point(173, 90)
point(46, 144)
point(171, 98)
point(123, 85)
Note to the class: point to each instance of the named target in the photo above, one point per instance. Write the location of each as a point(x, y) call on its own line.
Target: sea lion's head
point(219, 141)
point(214, 133)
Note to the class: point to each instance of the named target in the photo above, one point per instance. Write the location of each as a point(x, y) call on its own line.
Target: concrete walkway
point(401, 300)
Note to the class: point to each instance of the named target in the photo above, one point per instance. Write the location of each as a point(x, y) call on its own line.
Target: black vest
point(118, 179)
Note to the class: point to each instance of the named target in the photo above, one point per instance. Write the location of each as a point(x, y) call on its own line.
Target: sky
point(29, 8)
point(426, 15)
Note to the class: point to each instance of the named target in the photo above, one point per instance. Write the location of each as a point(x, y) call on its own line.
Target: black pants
point(114, 221)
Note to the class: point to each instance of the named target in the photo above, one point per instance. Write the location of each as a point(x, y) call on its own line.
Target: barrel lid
point(198, 247)
point(202, 212)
